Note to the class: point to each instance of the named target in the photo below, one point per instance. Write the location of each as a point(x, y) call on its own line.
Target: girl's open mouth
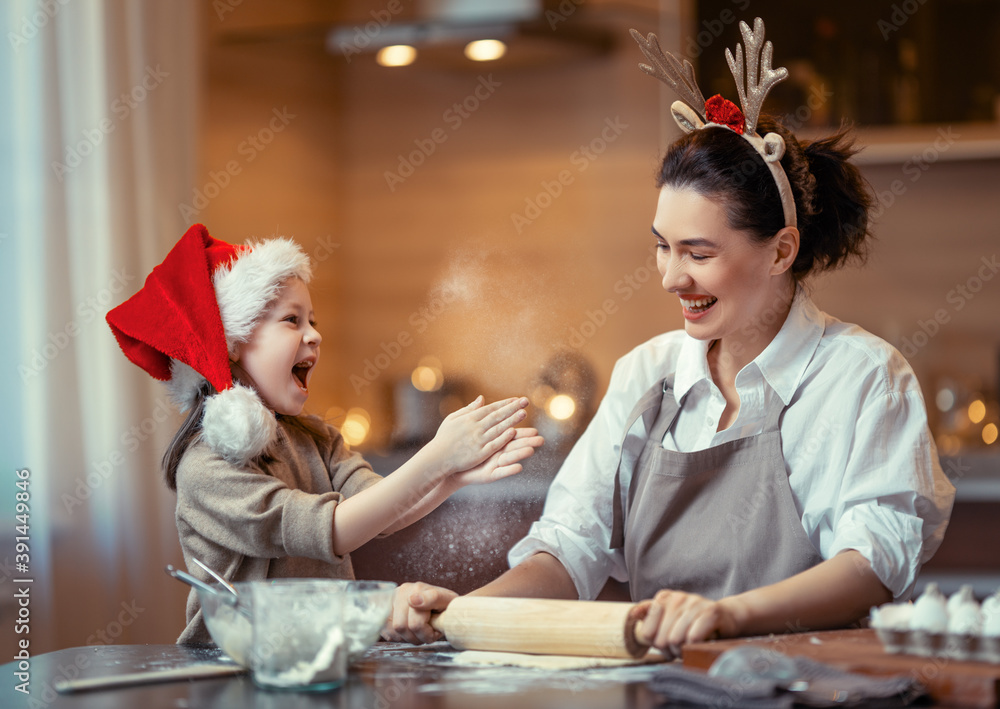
point(301, 373)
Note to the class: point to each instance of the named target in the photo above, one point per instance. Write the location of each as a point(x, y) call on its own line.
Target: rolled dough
point(550, 662)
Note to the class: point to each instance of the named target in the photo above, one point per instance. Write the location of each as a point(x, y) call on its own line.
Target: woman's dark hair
point(832, 199)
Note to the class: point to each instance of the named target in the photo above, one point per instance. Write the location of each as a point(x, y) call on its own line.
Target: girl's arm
point(475, 444)
point(832, 594)
point(502, 464)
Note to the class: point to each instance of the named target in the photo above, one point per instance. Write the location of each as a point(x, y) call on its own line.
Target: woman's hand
point(503, 463)
point(412, 607)
point(474, 433)
point(674, 618)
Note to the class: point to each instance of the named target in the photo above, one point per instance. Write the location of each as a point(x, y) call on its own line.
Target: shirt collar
point(692, 366)
point(783, 361)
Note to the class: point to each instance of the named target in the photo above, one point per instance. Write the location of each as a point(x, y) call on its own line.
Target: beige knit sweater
point(272, 519)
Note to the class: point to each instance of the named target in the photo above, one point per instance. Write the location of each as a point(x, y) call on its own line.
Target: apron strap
point(774, 412)
point(632, 447)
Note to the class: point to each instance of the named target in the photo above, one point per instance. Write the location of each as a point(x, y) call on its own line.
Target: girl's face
point(729, 287)
point(283, 350)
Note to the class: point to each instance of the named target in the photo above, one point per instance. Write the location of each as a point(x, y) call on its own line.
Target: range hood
point(535, 31)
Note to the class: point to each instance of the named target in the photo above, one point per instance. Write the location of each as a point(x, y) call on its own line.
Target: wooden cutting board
point(949, 682)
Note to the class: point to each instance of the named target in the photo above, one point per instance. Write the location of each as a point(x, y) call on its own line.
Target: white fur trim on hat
point(237, 425)
point(249, 284)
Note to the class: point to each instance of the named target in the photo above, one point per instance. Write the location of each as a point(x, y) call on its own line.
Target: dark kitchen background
point(476, 227)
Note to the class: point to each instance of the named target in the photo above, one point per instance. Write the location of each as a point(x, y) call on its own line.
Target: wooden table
point(407, 677)
point(949, 682)
point(390, 677)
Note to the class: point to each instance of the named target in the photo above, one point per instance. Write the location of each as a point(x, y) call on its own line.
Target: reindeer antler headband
point(759, 79)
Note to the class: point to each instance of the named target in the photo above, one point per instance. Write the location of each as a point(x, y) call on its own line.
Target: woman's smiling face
point(728, 286)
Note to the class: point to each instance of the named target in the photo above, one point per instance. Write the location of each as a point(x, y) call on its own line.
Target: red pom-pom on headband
point(725, 113)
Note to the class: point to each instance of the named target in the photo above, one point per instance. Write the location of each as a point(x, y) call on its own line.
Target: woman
point(769, 467)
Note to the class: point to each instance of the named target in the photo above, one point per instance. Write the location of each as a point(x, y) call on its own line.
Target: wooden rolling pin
point(542, 626)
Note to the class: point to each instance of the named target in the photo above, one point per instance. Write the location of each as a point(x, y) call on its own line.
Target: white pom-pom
point(237, 425)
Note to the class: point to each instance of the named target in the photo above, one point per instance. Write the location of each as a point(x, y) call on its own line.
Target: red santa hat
point(188, 320)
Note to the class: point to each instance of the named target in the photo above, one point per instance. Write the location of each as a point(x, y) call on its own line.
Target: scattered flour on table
point(402, 660)
point(549, 662)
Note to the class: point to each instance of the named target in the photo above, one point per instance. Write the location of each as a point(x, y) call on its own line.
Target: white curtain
point(97, 149)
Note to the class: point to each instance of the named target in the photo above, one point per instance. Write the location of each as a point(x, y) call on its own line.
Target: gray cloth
point(717, 521)
point(270, 519)
point(817, 685)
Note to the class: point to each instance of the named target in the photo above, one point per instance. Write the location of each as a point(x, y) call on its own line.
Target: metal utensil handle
point(198, 583)
point(217, 576)
point(146, 677)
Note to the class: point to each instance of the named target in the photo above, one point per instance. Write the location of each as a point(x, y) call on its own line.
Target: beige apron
point(715, 522)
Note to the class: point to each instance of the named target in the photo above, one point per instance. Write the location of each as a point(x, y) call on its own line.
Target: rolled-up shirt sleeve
point(895, 501)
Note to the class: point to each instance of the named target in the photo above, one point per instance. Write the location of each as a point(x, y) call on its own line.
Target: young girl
point(767, 468)
point(263, 492)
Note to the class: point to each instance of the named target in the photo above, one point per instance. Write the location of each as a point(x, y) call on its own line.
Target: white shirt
point(861, 463)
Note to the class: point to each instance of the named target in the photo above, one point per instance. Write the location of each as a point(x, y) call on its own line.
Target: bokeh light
point(561, 407)
point(356, 426)
point(485, 50)
point(396, 55)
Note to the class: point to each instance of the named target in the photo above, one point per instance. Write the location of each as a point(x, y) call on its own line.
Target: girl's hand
point(674, 618)
point(412, 607)
point(503, 463)
point(474, 433)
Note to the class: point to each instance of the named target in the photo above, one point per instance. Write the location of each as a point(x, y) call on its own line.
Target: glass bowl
point(367, 605)
point(230, 628)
